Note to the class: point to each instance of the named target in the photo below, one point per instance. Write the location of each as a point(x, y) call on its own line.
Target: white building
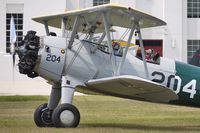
point(178, 40)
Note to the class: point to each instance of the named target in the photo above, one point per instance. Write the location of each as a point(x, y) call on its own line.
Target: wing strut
point(126, 49)
point(91, 32)
point(107, 27)
point(63, 26)
point(94, 26)
point(74, 31)
point(101, 38)
point(142, 49)
point(46, 28)
point(99, 42)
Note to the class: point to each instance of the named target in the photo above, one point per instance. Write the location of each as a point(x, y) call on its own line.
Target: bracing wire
point(76, 54)
point(124, 34)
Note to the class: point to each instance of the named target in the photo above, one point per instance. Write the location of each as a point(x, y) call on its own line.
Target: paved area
point(8, 88)
point(14, 83)
point(24, 88)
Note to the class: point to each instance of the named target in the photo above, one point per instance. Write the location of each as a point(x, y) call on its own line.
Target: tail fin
point(196, 59)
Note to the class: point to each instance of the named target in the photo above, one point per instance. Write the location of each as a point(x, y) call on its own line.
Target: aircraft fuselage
point(182, 78)
point(81, 63)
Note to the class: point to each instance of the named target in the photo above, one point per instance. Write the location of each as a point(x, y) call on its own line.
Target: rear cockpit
point(151, 56)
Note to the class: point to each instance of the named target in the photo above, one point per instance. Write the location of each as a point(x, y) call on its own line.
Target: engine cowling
point(42, 56)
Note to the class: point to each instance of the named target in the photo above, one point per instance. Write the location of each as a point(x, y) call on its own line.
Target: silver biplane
point(85, 56)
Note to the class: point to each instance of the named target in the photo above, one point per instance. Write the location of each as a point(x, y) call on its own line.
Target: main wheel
point(66, 115)
point(43, 116)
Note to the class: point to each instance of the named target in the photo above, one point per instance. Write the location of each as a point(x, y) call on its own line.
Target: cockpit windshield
point(103, 47)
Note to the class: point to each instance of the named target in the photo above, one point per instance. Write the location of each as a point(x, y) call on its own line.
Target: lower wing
point(132, 87)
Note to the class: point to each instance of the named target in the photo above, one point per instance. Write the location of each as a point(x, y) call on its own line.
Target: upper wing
point(132, 87)
point(118, 16)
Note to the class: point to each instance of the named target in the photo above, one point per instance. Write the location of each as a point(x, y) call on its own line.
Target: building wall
point(174, 43)
point(130, 3)
point(30, 9)
point(155, 8)
point(193, 29)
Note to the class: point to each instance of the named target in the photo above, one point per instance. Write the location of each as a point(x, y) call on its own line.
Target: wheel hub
point(46, 116)
point(67, 117)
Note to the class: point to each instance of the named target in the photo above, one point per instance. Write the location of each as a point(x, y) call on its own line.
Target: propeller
point(27, 51)
point(13, 38)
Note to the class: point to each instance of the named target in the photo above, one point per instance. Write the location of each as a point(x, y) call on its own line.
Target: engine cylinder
point(28, 54)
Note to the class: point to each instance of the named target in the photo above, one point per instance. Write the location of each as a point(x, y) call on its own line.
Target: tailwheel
point(66, 115)
point(43, 116)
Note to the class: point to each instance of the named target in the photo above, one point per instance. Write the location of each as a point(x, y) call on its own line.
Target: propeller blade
point(13, 38)
point(13, 76)
point(13, 35)
point(12, 50)
point(13, 58)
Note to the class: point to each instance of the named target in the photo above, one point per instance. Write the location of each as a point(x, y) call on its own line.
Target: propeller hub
point(28, 54)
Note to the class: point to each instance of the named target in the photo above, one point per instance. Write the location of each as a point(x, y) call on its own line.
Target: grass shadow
point(180, 128)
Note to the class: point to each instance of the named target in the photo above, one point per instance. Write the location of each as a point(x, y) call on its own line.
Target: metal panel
point(53, 58)
point(167, 65)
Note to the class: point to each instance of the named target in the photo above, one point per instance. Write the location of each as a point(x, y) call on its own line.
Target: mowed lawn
point(102, 114)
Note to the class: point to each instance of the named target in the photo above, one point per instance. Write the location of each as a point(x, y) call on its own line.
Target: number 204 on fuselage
point(185, 82)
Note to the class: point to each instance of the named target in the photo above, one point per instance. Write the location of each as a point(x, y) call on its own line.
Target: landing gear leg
point(54, 97)
point(43, 114)
point(66, 114)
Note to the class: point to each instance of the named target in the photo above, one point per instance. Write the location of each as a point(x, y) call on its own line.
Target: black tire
point(62, 109)
point(41, 116)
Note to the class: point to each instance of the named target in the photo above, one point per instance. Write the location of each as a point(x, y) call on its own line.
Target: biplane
point(84, 55)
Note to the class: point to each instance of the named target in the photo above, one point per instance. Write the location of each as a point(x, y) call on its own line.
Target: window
point(193, 7)
point(18, 19)
point(100, 2)
point(157, 45)
point(192, 47)
point(153, 51)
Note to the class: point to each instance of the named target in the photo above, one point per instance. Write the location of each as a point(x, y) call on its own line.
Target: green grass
point(22, 98)
point(102, 114)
